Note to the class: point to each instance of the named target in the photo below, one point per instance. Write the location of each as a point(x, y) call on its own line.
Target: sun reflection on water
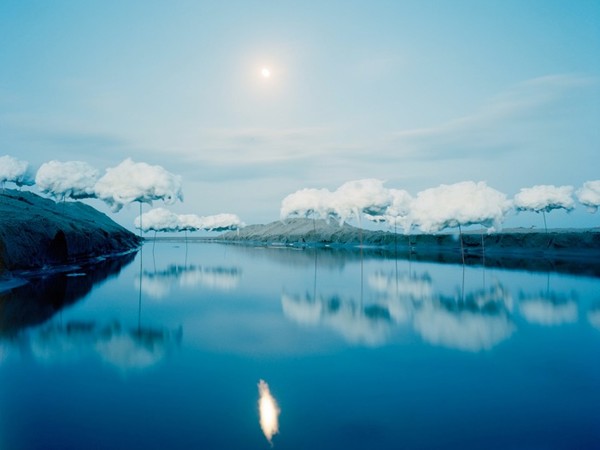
point(268, 410)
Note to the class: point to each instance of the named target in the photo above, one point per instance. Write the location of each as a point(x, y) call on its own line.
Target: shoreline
point(39, 234)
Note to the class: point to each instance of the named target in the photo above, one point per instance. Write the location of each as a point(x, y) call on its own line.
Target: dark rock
point(36, 232)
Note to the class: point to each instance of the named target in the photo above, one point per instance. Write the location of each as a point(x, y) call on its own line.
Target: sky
point(416, 93)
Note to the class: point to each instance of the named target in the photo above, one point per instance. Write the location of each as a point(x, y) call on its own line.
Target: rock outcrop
point(36, 232)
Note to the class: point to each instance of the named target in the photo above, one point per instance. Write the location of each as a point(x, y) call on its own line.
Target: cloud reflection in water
point(358, 324)
point(476, 321)
point(594, 316)
point(549, 310)
point(138, 348)
point(479, 322)
point(158, 284)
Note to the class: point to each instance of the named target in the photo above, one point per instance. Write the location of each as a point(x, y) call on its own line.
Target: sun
point(265, 72)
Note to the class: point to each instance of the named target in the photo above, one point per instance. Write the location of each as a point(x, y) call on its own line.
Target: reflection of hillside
point(39, 299)
point(328, 257)
point(476, 322)
point(125, 349)
point(158, 284)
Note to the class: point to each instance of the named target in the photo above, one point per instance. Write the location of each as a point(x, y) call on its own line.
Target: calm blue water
point(166, 351)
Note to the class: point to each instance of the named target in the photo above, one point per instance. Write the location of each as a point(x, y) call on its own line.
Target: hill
point(570, 250)
point(36, 232)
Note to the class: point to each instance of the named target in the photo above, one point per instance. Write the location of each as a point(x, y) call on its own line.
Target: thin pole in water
point(482, 247)
point(545, 226)
point(361, 264)
point(140, 292)
point(140, 219)
point(315, 278)
point(462, 248)
point(483, 256)
point(462, 292)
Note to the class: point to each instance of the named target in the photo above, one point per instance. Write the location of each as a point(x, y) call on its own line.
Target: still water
point(171, 347)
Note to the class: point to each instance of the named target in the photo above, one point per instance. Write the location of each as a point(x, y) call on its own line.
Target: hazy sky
point(418, 93)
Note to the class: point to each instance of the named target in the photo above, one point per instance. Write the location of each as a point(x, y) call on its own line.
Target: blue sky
point(418, 93)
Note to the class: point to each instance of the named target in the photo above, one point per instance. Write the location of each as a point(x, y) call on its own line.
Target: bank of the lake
point(36, 232)
point(565, 250)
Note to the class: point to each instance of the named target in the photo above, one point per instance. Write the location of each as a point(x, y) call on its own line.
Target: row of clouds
point(473, 320)
point(126, 183)
point(161, 219)
point(432, 210)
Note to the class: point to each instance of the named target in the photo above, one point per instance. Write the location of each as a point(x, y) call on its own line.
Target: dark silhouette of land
point(564, 250)
point(36, 232)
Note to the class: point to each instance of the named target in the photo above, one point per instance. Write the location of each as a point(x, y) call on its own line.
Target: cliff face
point(37, 232)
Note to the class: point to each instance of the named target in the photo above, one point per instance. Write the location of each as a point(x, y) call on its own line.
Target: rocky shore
point(36, 232)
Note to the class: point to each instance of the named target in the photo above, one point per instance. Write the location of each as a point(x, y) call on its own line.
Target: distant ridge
point(319, 232)
point(570, 250)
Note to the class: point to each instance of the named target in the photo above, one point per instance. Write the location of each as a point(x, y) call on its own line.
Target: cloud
point(15, 171)
point(589, 195)
point(465, 203)
point(157, 219)
point(74, 179)
point(161, 219)
point(137, 182)
point(351, 199)
point(544, 198)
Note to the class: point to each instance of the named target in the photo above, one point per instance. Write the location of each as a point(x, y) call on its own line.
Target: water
point(166, 348)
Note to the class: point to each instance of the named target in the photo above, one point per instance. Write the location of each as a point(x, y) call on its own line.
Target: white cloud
point(74, 179)
point(137, 182)
point(465, 203)
point(589, 195)
point(544, 198)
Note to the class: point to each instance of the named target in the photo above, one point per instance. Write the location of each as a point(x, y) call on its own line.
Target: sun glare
point(268, 410)
point(265, 72)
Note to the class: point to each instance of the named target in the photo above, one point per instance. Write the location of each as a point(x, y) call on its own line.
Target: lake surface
point(165, 350)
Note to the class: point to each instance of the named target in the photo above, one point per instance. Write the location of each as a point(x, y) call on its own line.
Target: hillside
point(319, 232)
point(570, 250)
point(36, 232)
